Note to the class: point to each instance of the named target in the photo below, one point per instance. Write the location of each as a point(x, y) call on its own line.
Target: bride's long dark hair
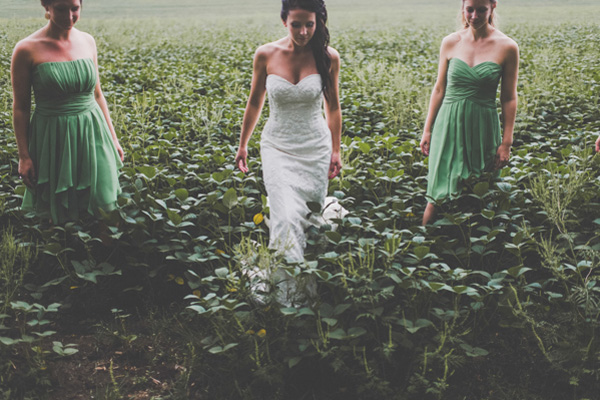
point(320, 40)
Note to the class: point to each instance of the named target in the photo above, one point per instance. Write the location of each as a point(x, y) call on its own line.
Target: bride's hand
point(335, 166)
point(240, 159)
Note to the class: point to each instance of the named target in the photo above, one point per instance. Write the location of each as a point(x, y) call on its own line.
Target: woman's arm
point(437, 96)
point(102, 103)
point(333, 114)
point(253, 107)
point(20, 69)
point(508, 101)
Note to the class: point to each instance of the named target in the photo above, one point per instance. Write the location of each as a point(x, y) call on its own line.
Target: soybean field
point(498, 299)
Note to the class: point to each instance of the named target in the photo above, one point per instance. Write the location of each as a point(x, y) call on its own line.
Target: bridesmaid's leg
point(429, 213)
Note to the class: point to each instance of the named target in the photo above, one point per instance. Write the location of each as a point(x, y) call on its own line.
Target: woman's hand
point(425, 142)
point(598, 145)
point(240, 159)
point(335, 166)
point(120, 151)
point(502, 156)
point(27, 172)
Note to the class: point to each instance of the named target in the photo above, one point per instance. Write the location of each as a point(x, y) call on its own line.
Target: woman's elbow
point(509, 100)
point(20, 109)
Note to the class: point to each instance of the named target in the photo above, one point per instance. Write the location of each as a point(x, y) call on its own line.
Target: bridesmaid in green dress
point(69, 154)
point(462, 134)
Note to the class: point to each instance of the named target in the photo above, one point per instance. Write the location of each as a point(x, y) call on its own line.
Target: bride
point(299, 148)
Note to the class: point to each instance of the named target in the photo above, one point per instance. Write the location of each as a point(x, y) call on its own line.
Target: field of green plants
point(499, 299)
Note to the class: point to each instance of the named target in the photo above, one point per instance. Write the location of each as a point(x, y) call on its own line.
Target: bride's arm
point(333, 113)
point(253, 107)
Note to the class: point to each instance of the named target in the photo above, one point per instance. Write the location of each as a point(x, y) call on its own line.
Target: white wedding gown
point(296, 152)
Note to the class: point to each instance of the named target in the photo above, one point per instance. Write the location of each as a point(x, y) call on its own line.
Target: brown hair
point(46, 3)
point(320, 40)
point(493, 17)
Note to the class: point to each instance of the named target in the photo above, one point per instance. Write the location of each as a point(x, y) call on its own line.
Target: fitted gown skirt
point(293, 176)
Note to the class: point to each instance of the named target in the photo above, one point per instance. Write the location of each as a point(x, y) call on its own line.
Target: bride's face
point(301, 26)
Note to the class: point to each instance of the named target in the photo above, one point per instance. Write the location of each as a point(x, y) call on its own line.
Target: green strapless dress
point(466, 132)
point(70, 144)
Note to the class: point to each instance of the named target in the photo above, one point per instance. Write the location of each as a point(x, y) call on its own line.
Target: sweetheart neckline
point(293, 84)
point(476, 65)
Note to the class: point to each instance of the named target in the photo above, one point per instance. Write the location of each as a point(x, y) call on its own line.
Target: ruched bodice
point(70, 144)
point(477, 84)
point(296, 151)
point(64, 88)
point(466, 130)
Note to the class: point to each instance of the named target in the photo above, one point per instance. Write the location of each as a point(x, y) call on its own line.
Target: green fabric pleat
point(70, 144)
point(466, 131)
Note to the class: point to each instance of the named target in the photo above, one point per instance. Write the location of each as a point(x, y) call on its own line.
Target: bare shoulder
point(264, 52)
point(449, 43)
point(452, 39)
point(334, 57)
point(89, 39)
point(333, 53)
point(507, 44)
point(25, 49)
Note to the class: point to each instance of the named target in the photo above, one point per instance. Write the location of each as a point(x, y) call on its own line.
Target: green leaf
point(182, 194)
point(423, 323)
point(481, 188)
point(314, 207)
point(148, 171)
point(289, 311)
point(222, 272)
point(354, 220)
point(69, 351)
point(292, 362)
point(53, 248)
point(517, 271)
point(197, 308)
point(8, 341)
point(435, 286)
point(174, 217)
point(474, 351)
point(504, 186)
point(230, 198)
point(340, 308)
point(421, 251)
point(489, 214)
point(333, 236)
point(306, 311)
point(215, 350)
point(356, 332)
point(338, 334)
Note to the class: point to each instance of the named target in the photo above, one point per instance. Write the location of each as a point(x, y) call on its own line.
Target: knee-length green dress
point(70, 144)
point(466, 131)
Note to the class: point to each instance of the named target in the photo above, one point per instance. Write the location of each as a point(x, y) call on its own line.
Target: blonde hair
point(493, 21)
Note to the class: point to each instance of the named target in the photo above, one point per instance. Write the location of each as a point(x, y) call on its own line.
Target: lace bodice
point(295, 106)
